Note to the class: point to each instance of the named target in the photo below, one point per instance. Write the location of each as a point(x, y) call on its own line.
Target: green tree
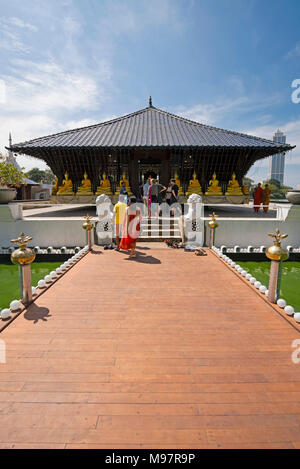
point(38, 175)
point(278, 190)
point(248, 182)
point(10, 176)
point(49, 178)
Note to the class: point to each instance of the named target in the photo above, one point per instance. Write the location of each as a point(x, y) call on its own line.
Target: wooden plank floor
point(167, 351)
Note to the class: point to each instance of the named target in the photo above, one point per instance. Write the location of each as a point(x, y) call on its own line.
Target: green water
point(9, 279)
point(290, 280)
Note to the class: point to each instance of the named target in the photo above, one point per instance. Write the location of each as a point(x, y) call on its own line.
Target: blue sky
point(228, 63)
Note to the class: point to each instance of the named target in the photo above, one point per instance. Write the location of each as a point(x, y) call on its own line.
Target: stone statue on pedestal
point(104, 227)
point(192, 224)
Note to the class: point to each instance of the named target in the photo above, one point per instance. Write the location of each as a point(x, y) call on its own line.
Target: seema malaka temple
point(151, 142)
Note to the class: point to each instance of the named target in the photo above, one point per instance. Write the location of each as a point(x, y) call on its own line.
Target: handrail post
point(88, 226)
point(213, 225)
point(23, 257)
point(277, 255)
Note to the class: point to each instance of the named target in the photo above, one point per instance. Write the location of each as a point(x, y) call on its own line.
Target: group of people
point(128, 219)
point(128, 215)
point(261, 196)
point(153, 193)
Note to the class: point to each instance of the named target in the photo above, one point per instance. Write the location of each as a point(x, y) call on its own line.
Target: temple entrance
point(150, 174)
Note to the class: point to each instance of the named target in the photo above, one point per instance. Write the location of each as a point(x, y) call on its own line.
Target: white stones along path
point(15, 305)
point(289, 310)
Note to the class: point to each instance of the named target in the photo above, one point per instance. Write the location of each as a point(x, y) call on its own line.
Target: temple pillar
point(133, 172)
point(165, 174)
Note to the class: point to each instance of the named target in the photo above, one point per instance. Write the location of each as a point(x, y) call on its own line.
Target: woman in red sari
point(257, 197)
point(131, 229)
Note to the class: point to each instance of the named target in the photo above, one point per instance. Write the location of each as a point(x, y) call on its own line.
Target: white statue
point(104, 227)
point(192, 223)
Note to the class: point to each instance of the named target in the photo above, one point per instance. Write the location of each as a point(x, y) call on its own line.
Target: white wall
point(59, 232)
point(254, 232)
point(45, 232)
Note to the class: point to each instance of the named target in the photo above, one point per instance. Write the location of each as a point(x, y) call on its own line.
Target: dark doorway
point(150, 174)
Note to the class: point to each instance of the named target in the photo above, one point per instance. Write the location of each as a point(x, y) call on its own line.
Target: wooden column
point(133, 172)
point(165, 169)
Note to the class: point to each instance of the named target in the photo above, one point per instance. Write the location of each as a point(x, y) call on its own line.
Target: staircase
point(158, 229)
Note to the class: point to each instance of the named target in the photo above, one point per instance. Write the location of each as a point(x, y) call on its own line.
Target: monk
point(257, 195)
point(265, 198)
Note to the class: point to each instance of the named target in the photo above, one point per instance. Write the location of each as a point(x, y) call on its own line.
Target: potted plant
point(10, 179)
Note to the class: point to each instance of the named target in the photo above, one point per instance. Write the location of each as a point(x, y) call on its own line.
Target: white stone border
point(48, 250)
point(45, 283)
point(289, 310)
point(252, 249)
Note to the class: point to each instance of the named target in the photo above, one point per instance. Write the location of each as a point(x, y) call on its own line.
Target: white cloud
point(42, 98)
point(11, 37)
point(44, 87)
point(210, 113)
point(259, 171)
point(11, 41)
point(295, 52)
point(14, 21)
point(214, 113)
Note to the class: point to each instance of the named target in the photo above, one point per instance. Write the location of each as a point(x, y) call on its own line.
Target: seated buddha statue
point(245, 189)
point(194, 186)
point(214, 188)
point(67, 186)
point(126, 182)
point(86, 186)
point(55, 188)
point(234, 187)
point(104, 187)
point(177, 182)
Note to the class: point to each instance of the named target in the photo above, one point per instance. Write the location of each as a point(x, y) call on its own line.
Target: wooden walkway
point(167, 351)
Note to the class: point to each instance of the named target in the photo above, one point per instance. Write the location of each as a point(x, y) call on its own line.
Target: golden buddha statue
point(177, 180)
point(86, 186)
point(234, 187)
point(55, 188)
point(126, 182)
point(245, 189)
point(194, 186)
point(214, 187)
point(67, 187)
point(104, 187)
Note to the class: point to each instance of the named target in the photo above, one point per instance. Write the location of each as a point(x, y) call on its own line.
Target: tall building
point(276, 162)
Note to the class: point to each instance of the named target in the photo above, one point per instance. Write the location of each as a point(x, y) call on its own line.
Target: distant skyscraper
point(276, 162)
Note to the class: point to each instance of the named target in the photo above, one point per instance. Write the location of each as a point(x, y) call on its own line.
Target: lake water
point(9, 279)
point(290, 280)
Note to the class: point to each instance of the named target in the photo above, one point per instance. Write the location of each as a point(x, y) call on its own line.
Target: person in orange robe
point(131, 228)
point(265, 198)
point(257, 197)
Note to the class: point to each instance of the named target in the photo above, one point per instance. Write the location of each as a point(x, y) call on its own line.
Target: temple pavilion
point(150, 142)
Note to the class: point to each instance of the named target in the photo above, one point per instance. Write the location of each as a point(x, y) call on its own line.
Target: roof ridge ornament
point(150, 101)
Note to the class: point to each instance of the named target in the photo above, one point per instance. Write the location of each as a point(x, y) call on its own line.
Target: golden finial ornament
point(23, 255)
point(213, 222)
point(88, 225)
point(276, 252)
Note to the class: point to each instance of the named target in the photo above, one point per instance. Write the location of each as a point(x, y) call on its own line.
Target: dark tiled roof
point(149, 127)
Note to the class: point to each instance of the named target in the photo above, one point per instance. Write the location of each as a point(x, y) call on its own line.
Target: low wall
point(254, 231)
point(45, 231)
point(59, 232)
